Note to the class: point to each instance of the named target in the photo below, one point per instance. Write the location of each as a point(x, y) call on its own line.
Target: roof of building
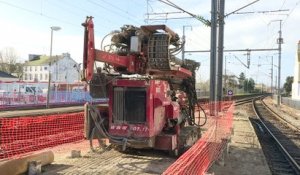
point(43, 60)
point(6, 75)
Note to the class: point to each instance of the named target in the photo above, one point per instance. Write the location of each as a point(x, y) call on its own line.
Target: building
point(6, 77)
point(63, 69)
point(296, 83)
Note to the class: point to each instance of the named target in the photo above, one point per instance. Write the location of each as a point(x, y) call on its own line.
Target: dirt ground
point(244, 155)
point(110, 161)
point(292, 115)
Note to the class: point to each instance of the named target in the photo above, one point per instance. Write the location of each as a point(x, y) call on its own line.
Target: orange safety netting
point(200, 156)
point(26, 134)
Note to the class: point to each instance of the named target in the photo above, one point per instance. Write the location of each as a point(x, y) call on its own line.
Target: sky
point(25, 26)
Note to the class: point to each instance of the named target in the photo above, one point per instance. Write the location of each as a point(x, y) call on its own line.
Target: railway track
point(245, 100)
point(280, 141)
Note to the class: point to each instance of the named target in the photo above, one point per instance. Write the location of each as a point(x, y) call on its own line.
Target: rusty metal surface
point(153, 28)
point(162, 142)
point(158, 52)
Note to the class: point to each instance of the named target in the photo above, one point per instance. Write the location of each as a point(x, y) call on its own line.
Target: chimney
point(66, 55)
point(32, 57)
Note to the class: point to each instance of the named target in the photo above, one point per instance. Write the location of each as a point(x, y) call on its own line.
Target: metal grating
point(158, 52)
point(135, 105)
point(118, 106)
point(129, 105)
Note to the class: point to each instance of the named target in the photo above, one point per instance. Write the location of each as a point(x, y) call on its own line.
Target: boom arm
point(90, 54)
point(132, 62)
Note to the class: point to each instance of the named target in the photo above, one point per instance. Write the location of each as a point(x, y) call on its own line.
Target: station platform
point(244, 154)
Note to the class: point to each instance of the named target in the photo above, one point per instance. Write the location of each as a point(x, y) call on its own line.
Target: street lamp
point(183, 41)
point(53, 28)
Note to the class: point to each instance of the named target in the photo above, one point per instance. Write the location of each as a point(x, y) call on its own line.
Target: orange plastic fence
point(26, 134)
point(200, 156)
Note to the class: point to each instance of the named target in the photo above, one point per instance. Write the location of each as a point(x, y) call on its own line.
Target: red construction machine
point(151, 94)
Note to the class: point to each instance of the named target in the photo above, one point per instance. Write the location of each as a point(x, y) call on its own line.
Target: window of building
point(35, 68)
point(25, 76)
point(25, 68)
point(35, 77)
point(45, 68)
point(30, 68)
point(30, 76)
point(41, 68)
point(46, 76)
point(41, 76)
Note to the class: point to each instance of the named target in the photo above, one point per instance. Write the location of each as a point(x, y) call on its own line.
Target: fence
point(200, 156)
point(291, 102)
point(21, 94)
point(26, 134)
point(20, 99)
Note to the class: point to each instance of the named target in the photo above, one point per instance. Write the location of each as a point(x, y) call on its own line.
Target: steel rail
point(245, 100)
point(280, 118)
point(286, 153)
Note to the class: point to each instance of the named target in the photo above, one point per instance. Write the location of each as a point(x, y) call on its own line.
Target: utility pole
point(213, 55)
point(235, 50)
point(225, 74)
point(279, 42)
point(220, 50)
point(276, 82)
point(53, 28)
point(272, 76)
point(183, 42)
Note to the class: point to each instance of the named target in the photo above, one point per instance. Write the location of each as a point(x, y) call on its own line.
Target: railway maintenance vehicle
point(151, 93)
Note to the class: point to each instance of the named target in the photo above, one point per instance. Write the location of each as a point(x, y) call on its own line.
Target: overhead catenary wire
point(87, 12)
point(110, 10)
point(284, 21)
point(44, 15)
point(240, 8)
point(198, 17)
point(132, 16)
point(38, 13)
point(263, 12)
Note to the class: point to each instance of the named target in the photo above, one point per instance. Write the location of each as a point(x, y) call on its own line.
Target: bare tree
point(8, 61)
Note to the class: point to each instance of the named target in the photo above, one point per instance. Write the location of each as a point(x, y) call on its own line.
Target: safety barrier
point(31, 133)
point(208, 149)
point(10, 100)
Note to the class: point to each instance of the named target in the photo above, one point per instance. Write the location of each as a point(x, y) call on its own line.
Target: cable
point(39, 14)
point(89, 12)
point(283, 4)
point(200, 18)
point(110, 10)
point(297, 3)
point(205, 116)
point(126, 12)
point(99, 125)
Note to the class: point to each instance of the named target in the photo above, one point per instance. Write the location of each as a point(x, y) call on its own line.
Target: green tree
point(251, 85)
point(231, 82)
point(288, 84)
point(246, 89)
point(242, 79)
